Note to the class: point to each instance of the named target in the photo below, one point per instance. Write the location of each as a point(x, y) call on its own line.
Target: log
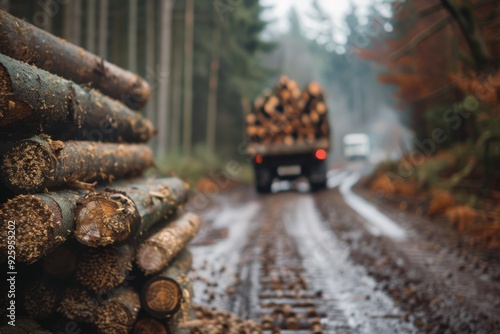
point(42, 222)
point(33, 101)
point(162, 247)
point(61, 263)
point(27, 43)
point(40, 300)
point(150, 325)
point(119, 312)
point(124, 212)
point(77, 305)
point(38, 163)
point(162, 294)
point(24, 326)
point(101, 270)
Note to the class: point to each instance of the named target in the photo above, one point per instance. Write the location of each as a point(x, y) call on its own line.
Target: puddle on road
point(377, 222)
point(353, 300)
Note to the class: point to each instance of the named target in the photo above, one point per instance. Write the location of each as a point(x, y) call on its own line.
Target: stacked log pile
point(98, 247)
point(288, 115)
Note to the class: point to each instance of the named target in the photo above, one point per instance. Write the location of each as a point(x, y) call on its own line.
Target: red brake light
point(321, 154)
point(258, 159)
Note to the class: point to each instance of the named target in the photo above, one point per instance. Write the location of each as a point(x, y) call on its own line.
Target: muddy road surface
point(340, 261)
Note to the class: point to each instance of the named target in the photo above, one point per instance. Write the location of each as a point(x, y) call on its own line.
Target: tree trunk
point(473, 35)
point(123, 212)
point(103, 29)
point(76, 27)
point(118, 314)
point(66, 111)
point(177, 92)
point(156, 252)
point(27, 43)
point(164, 88)
point(91, 25)
point(39, 163)
point(101, 270)
point(132, 35)
point(43, 221)
point(150, 51)
point(188, 77)
point(212, 91)
point(162, 295)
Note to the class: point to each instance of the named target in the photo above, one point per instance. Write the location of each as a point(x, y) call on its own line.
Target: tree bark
point(164, 87)
point(150, 51)
point(156, 252)
point(43, 221)
point(162, 295)
point(118, 314)
point(38, 163)
point(101, 270)
point(76, 27)
point(121, 213)
point(188, 77)
point(34, 101)
point(177, 67)
point(27, 43)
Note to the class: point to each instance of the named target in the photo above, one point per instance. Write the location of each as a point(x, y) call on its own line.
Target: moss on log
point(34, 101)
point(27, 43)
point(42, 222)
point(157, 251)
point(123, 212)
point(38, 163)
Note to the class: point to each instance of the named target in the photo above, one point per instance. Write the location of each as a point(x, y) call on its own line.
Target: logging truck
point(288, 135)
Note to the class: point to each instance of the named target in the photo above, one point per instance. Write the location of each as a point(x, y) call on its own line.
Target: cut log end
point(150, 326)
point(101, 270)
point(40, 301)
point(30, 213)
point(162, 296)
point(77, 305)
point(151, 258)
point(105, 219)
point(118, 314)
point(25, 167)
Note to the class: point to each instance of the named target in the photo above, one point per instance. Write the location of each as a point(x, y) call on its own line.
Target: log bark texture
point(162, 294)
point(156, 252)
point(24, 326)
point(38, 163)
point(121, 213)
point(118, 314)
point(42, 222)
point(27, 43)
point(34, 101)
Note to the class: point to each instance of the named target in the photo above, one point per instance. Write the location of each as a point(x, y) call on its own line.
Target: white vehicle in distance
point(356, 146)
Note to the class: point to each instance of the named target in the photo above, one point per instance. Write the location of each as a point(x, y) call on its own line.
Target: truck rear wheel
point(263, 180)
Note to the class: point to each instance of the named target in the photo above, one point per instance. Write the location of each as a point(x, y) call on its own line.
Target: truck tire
point(263, 180)
point(317, 186)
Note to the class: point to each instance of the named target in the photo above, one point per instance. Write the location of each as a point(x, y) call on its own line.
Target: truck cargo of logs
point(120, 213)
point(35, 164)
point(288, 115)
point(25, 42)
point(34, 101)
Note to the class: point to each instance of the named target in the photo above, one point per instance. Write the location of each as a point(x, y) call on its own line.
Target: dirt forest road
point(332, 262)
